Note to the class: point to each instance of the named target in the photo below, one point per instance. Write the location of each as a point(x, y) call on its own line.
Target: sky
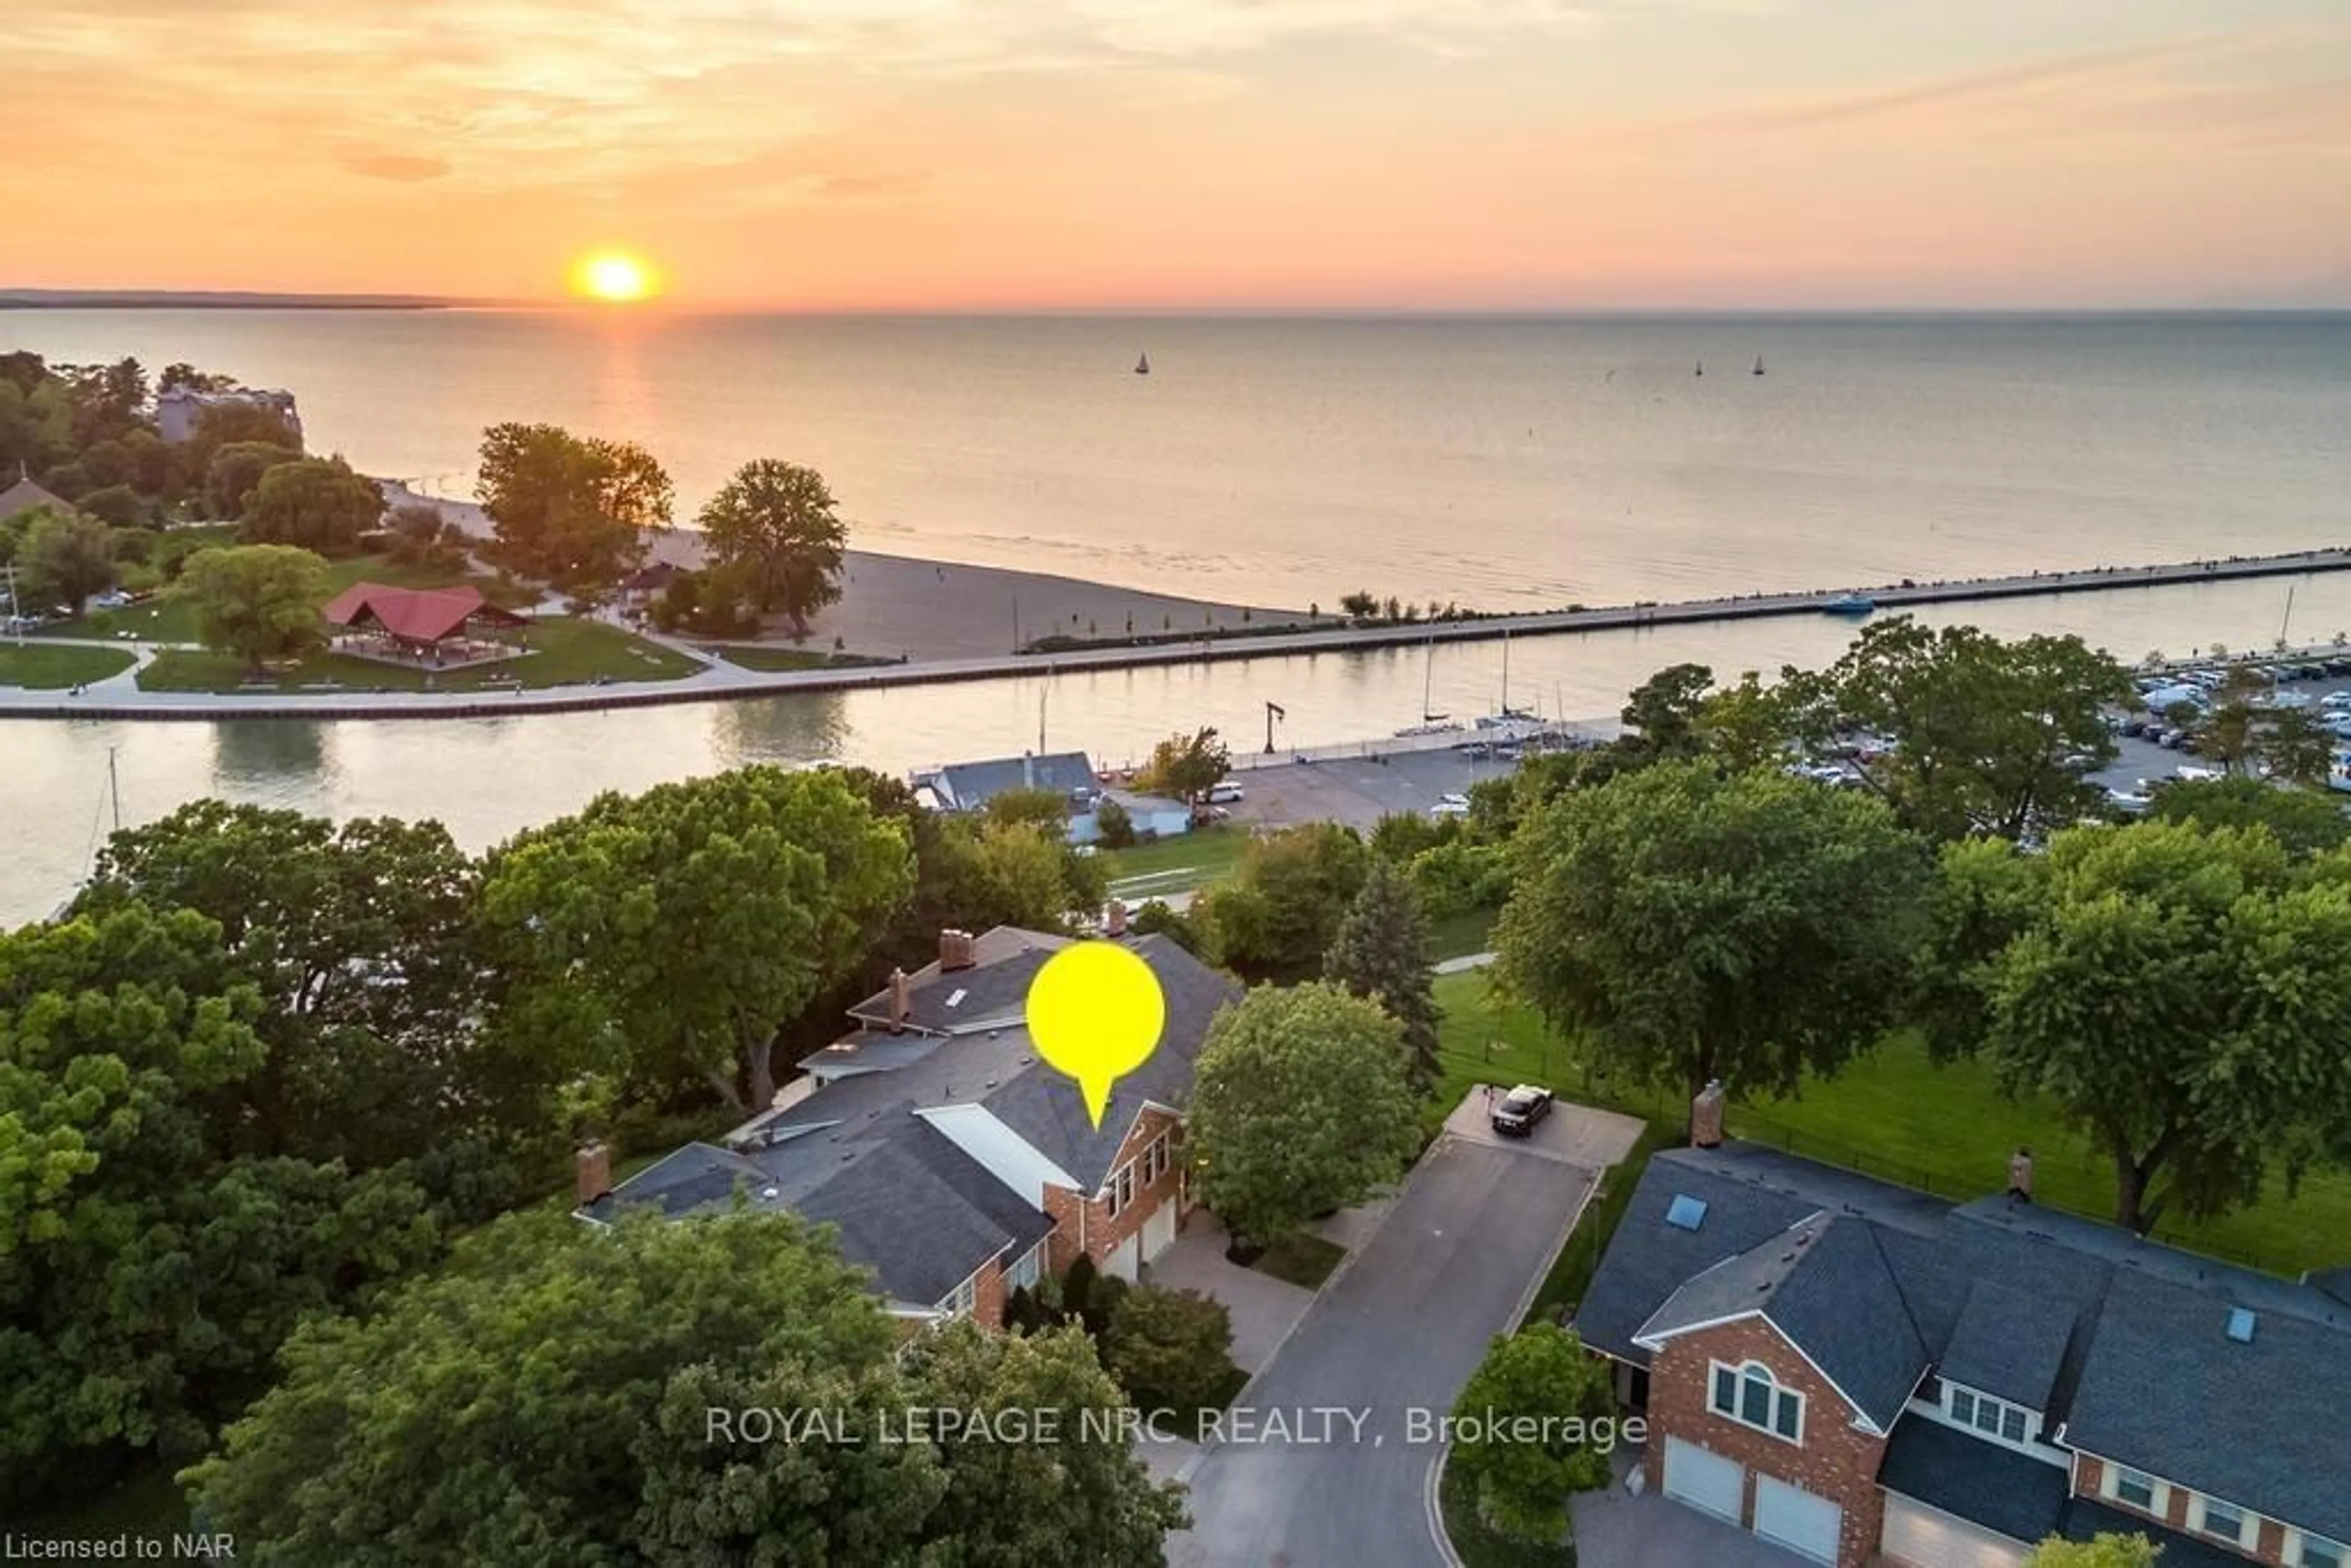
point(1011, 154)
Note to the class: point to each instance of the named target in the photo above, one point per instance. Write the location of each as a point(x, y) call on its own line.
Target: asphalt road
point(1401, 1328)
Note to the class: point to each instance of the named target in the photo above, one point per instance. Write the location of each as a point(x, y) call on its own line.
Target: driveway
point(1618, 1528)
point(1264, 1309)
point(1322, 1461)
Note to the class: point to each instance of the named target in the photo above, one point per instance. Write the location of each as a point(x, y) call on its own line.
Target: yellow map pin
point(1095, 1011)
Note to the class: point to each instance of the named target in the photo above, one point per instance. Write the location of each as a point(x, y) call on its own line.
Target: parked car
point(2173, 739)
point(1521, 1109)
point(1224, 792)
point(2134, 728)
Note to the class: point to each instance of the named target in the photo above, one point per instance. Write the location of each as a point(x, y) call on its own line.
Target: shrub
point(1169, 1349)
point(1116, 823)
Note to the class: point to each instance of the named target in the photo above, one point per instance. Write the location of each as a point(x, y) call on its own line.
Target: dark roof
point(2336, 1282)
point(23, 496)
point(696, 1176)
point(2260, 1424)
point(968, 786)
point(2120, 1341)
point(993, 991)
point(2009, 1341)
point(2086, 1520)
point(921, 1214)
point(2021, 1497)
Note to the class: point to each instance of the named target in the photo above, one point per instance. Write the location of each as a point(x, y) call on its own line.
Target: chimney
point(1114, 918)
point(902, 999)
point(593, 1167)
point(2019, 1176)
point(955, 950)
point(1705, 1116)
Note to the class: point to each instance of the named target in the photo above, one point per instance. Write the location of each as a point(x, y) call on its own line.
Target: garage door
point(1796, 1519)
point(1158, 1231)
point(1917, 1536)
point(1704, 1479)
point(1122, 1261)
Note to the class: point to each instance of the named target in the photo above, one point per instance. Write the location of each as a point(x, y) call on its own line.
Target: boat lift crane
point(1272, 711)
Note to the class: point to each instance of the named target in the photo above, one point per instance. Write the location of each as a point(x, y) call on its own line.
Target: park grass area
point(1301, 1257)
point(1477, 1544)
point(1459, 935)
point(1896, 1115)
point(562, 652)
point(36, 668)
point(778, 661)
point(169, 617)
point(1181, 864)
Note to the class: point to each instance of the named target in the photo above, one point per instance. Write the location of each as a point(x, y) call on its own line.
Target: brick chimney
point(1705, 1116)
point(2020, 1174)
point(902, 999)
point(593, 1167)
point(1114, 918)
point(955, 950)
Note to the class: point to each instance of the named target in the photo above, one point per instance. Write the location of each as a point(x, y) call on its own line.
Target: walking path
point(121, 698)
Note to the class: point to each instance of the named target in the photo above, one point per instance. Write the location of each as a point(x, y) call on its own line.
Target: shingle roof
point(2021, 1497)
point(415, 614)
point(2086, 1520)
point(2009, 1341)
point(922, 1215)
point(991, 989)
point(23, 496)
point(968, 786)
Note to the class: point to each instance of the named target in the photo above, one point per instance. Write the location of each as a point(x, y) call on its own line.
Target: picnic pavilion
point(428, 628)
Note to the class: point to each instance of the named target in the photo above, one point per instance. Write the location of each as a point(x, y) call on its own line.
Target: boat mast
point(114, 789)
point(2288, 618)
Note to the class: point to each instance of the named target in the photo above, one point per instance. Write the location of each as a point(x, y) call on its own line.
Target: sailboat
point(1759, 364)
point(1431, 722)
point(114, 804)
point(1701, 369)
point(1143, 366)
point(1506, 714)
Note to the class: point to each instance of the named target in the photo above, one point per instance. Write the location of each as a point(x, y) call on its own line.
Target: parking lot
point(1360, 790)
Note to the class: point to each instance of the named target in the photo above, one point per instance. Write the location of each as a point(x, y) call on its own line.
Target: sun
point(613, 276)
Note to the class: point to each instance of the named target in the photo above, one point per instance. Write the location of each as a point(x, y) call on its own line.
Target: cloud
point(401, 167)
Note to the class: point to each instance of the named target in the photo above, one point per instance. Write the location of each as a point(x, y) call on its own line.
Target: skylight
point(1686, 1213)
point(2241, 1326)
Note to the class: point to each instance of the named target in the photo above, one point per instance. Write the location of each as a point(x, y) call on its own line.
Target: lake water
point(1504, 464)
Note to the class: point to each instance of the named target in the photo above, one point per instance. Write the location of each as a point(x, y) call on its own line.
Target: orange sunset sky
point(1012, 153)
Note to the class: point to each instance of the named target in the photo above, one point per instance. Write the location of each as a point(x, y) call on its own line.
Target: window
point(2137, 1490)
point(2222, 1520)
point(2009, 1423)
point(1686, 1213)
point(2317, 1553)
point(1751, 1396)
point(965, 1296)
point(1025, 1272)
point(1122, 1189)
point(1155, 1160)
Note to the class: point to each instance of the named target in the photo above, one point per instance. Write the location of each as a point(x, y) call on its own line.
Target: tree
point(2180, 995)
point(1381, 952)
point(1542, 1373)
point(1982, 728)
point(317, 503)
point(1116, 823)
point(1169, 1349)
point(1695, 926)
point(1300, 1106)
point(1017, 875)
point(1157, 917)
point(678, 930)
point(2295, 748)
point(154, 1266)
point(116, 505)
point(1279, 912)
point(2105, 1550)
point(180, 373)
point(258, 601)
point(228, 424)
point(1186, 766)
point(577, 511)
point(235, 470)
point(66, 558)
point(1748, 724)
point(2305, 823)
point(775, 522)
point(1663, 715)
point(1361, 605)
point(508, 1411)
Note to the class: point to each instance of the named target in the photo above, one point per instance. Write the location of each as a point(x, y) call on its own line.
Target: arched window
point(1750, 1396)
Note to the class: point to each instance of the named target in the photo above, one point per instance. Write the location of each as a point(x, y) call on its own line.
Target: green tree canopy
point(1693, 926)
point(258, 601)
point(317, 503)
point(235, 470)
point(1169, 1349)
point(1541, 1374)
point(774, 523)
point(1186, 766)
point(1300, 1106)
point(681, 928)
point(578, 511)
point(2107, 1551)
point(2180, 994)
point(1381, 952)
point(1278, 914)
point(65, 558)
point(2304, 821)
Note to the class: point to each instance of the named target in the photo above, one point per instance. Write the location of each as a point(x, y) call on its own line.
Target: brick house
point(1864, 1374)
point(949, 1159)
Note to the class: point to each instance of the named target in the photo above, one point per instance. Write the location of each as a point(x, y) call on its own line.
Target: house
point(178, 410)
point(969, 786)
point(1862, 1373)
point(23, 496)
point(1152, 816)
point(949, 1159)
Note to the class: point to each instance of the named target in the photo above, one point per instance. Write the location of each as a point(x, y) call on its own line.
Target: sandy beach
point(899, 606)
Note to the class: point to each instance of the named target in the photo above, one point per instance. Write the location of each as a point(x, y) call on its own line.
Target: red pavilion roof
point(415, 614)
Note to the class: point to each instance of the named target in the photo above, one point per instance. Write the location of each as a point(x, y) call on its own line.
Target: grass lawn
point(1458, 936)
point(168, 618)
point(1895, 1114)
point(1179, 865)
point(1303, 1258)
point(563, 652)
point(1479, 1547)
point(36, 668)
point(759, 656)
